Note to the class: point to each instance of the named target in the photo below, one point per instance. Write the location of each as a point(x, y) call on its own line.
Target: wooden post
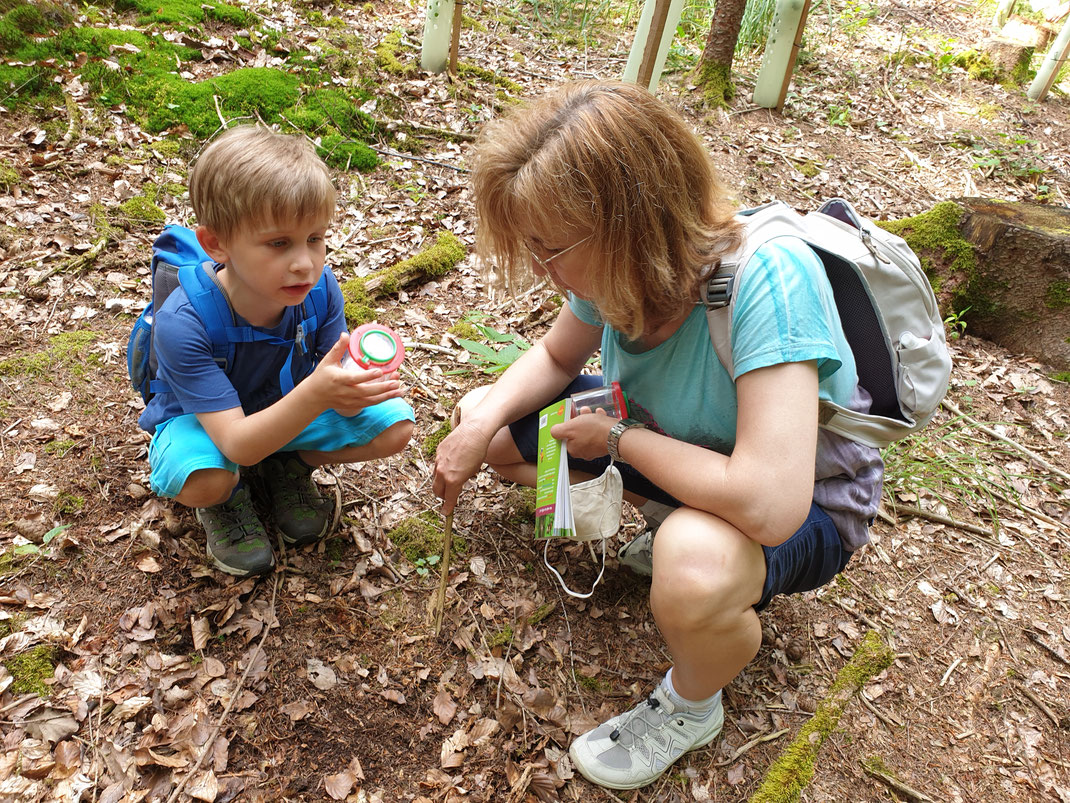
point(653, 36)
point(781, 50)
point(1003, 12)
point(436, 44)
point(455, 42)
point(653, 42)
point(1053, 62)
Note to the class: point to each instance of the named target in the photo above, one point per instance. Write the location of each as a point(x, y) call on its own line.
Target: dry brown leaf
point(339, 786)
point(203, 787)
point(444, 706)
point(201, 629)
point(393, 696)
point(297, 710)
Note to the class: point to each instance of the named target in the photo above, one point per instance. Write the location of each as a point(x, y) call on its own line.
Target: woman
point(606, 191)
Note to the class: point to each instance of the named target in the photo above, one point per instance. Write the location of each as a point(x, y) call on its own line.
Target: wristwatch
point(613, 440)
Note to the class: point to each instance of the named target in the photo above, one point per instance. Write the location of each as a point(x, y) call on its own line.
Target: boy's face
point(270, 266)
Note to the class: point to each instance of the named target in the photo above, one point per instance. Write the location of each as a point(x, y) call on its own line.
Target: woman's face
point(564, 259)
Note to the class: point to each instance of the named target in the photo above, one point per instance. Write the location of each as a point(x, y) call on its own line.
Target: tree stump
point(1003, 268)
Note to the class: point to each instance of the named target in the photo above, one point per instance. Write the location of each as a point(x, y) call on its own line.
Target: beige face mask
point(596, 507)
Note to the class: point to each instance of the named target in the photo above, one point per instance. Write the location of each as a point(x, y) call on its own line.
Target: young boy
point(263, 203)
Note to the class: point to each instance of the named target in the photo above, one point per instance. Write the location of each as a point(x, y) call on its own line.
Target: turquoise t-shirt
point(785, 312)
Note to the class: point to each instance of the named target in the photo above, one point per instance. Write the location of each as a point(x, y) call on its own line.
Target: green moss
point(11, 38)
point(541, 613)
point(67, 349)
point(592, 684)
point(190, 11)
point(465, 330)
point(500, 638)
point(1061, 376)
point(785, 780)
point(27, 18)
point(347, 154)
point(420, 537)
point(431, 442)
point(59, 448)
point(138, 212)
point(9, 177)
point(167, 148)
point(68, 504)
point(715, 83)
point(809, 168)
point(436, 260)
point(31, 669)
point(244, 93)
point(490, 77)
point(1057, 296)
point(387, 58)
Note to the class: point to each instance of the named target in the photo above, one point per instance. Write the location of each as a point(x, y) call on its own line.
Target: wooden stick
point(1040, 461)
point(455, 36)
point(447, 547)
point(896, 785)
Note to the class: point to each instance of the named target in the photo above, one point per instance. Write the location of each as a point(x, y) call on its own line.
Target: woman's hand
point(586, 434)
point(350, 391)
point(458, 458)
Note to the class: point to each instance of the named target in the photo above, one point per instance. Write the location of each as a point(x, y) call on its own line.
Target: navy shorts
point(810, 558)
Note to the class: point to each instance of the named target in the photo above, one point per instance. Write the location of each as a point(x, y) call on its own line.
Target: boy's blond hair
point(251, 175)
point(608, 160)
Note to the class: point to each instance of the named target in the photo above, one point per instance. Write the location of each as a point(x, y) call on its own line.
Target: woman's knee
point(207, 487)
point(704, 570)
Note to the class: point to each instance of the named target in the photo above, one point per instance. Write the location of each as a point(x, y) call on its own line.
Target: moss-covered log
point(785, 780)
point(432, 262)
point(1003, 267)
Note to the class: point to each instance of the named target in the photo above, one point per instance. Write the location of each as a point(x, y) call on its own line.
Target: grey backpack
point(886, 305)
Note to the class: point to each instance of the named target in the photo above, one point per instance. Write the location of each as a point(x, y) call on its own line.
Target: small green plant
point(839, 115)
point(485, 356)
point(956, 324)
point(425, 565)
point(34, 549)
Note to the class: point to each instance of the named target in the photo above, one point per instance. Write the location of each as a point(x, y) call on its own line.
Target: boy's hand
point(349, 390)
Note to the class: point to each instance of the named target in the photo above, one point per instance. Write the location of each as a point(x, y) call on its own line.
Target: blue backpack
point(177, 259)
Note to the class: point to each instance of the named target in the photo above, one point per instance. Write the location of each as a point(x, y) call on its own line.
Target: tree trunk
point(1003, 268)
point(714, 71)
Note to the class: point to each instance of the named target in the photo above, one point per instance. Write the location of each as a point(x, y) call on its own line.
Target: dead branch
point(1040, 461)
point(895, 784)
point(960, 525)
point(74, 265)
point(1059, 723)
point(447, 546)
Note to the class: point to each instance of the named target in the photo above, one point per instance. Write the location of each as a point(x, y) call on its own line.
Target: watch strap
point(618, 429)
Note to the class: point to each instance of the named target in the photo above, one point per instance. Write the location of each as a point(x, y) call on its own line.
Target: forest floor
point(325, 680)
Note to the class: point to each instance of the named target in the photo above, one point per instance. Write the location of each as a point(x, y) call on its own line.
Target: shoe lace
point(640, 714)
point(235, 517)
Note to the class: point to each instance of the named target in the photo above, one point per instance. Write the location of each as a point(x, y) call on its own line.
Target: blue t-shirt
point(199, 385)
point(785, 312)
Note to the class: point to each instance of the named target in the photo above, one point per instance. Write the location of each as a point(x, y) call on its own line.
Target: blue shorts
point(180, 445)
point(807, 560)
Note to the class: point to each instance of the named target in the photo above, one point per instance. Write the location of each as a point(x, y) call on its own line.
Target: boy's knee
point(207, 487)
point(393, 439)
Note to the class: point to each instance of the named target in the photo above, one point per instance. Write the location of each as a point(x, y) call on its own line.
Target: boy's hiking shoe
point(301, 513)
point(237, 542)
point(636, 747)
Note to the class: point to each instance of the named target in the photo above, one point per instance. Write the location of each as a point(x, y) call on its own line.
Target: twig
point(887, 719)
point(961, 525)
point(1054, 652)
point(396, 155)
point(230, 703)
point(1040, 704)
point(219, 112)
point(77, 263)
point(757, 740)
point(447, 546)
point(895, 784)
point(992, 433)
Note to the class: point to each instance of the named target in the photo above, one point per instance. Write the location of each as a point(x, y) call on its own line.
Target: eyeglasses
point(545, 263)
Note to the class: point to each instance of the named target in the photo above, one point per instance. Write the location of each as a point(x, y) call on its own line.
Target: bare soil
point(326, 680)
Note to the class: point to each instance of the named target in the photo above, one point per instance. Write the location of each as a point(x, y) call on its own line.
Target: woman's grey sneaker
point(636, 747)
point(237, 542)
point(301, 513)
point(638, 554)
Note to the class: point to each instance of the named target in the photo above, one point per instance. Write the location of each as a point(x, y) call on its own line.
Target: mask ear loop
point(590, 547)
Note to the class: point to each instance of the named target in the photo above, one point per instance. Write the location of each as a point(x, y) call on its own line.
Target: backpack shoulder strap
point(212, 308)
point(718, 293)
